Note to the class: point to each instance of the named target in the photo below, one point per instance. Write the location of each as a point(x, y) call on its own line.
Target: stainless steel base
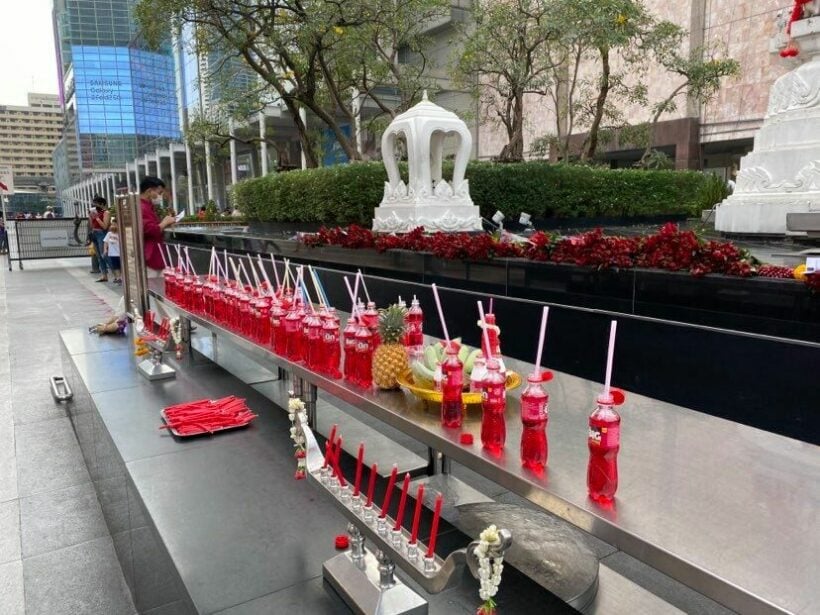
point(155, 371)
point(358, 585)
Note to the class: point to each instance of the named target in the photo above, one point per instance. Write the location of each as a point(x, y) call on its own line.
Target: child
point(111, 245)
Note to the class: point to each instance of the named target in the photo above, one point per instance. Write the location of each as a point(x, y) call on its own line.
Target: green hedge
point(347, 194)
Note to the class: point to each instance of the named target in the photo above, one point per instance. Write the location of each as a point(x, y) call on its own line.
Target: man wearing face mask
point(151, 190)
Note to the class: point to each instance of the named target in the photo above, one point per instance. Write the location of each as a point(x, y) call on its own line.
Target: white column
point(173, 175)
point(357, 118)
point(159, 165)
point(303, 115)
point(128, 177)
point(208, 171)
point(263, 145)
point(136, 176)
point(113, 181)
point(189, 170)
point(234, 175)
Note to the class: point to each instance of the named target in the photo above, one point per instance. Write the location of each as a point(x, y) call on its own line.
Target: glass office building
point(119, 97)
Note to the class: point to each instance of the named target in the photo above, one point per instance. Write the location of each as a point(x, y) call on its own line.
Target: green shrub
point(347, 194)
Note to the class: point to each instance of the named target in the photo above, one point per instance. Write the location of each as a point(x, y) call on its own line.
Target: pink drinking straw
point(613, 327)
point(359, 464)
point(253, 271)
point(544, 315)
point(414, 532)
point(431, 546)
point(391, 483)
point(372, 485)
point(491, 305)
point(265, 273)
point(484, 331)
point(352, 296)
point(402, 502)
point(441, 315)
point(188, 258)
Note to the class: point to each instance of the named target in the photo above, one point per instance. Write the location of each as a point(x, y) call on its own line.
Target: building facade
point(27, 138)
point(119, 96)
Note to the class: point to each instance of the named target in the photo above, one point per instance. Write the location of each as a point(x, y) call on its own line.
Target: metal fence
point(50, 238)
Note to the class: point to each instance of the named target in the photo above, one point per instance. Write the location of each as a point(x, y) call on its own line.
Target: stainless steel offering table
point(726, 509)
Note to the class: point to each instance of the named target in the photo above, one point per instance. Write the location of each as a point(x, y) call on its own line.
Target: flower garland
point(176, 334)
point(489, 570)
point(296, 411)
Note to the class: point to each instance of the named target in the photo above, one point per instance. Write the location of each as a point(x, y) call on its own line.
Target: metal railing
point(45, 239)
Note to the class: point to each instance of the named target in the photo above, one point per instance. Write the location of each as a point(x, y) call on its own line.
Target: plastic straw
point(188, 258)
point(245, 271)
point(356, 289)
point(484, 331)
point(491, 305)
point(316, 286)
point(364, 284)
point(253, 271)
point(613, 327)
point(265, 273)
point(225, 268)
point(320, 288)
point(275, 272)
point(164, 260)
point(352, 296)
point(236, 274)
point(170, 256)
point(544, 316)
point(441, 315)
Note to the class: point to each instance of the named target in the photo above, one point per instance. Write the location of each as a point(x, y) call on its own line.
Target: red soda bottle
point(277, 329)
point(452, 405)
point(198, 306)
point(349, 344)
point(313, 341)
point(534, 418)
point(604, 442)
point(330, 343)
point(263, 306)
point(493, 408)
point(371, 320)
point(494, 351)
point(479, 374)
point(364, 357)
point(293, 334)
point(415, 329)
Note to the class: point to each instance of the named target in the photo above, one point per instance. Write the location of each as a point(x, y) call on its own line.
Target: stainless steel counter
point(728, 510)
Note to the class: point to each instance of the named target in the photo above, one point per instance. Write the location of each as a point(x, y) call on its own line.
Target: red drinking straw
point(402, 502)
point(359, 463)
point(431, 546)
point(371, 486)
point(414, 534)
point(389, 493)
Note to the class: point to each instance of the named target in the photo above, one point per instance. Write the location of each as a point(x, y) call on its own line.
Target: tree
point(504, 58)
point(699, 79)
point(325, 56)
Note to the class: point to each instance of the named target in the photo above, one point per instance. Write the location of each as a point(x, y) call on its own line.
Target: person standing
point(100, 221)
point(4, 241)
point(112, 251)
point(151, 191)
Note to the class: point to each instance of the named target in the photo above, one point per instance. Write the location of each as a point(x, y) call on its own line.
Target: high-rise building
point(27, 138)
point(119, 96)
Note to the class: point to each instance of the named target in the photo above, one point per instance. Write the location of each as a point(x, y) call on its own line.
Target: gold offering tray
point(425, 393)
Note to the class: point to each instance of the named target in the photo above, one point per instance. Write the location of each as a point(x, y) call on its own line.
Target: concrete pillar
point(128, 178)
point(189, 170)
point(173, 174)
point(263, 146)
point(209, 171)
point(234, 174)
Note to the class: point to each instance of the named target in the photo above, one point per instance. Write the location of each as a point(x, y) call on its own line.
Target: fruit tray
point(470, 398)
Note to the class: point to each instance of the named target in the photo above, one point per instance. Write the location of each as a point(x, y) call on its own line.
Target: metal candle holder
point(152, 367)
point(382, 592)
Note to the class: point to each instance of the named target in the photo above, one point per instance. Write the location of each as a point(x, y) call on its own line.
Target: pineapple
point(390, 358)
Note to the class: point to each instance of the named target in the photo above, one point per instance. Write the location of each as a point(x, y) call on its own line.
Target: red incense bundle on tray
point(207, 416)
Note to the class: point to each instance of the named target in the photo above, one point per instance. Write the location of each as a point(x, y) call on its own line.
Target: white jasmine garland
point(176, 331)
point(489, 568)
point(296, 414)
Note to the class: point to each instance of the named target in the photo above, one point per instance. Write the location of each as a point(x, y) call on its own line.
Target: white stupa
point(782, 173)
point(426, 200)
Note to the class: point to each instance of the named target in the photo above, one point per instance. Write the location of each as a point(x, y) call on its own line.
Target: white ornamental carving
point(758, 179)
point(423, 199)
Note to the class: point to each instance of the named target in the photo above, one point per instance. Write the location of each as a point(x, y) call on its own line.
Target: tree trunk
point(600, 104)
point(513, 151)
point(304, 139)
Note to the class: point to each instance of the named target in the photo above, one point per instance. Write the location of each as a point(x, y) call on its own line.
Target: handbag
point(92, 251)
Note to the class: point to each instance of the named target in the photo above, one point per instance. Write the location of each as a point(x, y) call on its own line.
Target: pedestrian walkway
point(56, 553)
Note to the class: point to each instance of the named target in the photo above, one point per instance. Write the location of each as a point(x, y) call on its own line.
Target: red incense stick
point(336, 460)
point(414, 533)
point(372, 485)
point(431, 546)
point(389, 493)
point(359, 464)
point(402, 502)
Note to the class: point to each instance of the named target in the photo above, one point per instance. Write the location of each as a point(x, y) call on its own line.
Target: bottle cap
point(341, 542)
point(545, 376)
point(615, 398)
point(466, 438)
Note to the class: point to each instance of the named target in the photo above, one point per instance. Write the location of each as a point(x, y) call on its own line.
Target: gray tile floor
point(56, 553)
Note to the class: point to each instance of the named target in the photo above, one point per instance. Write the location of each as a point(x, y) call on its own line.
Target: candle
point(389, 493)
point(372, 485)
point(336, 460)
point(359, 463)
point(414, 533)
point(402, 502)
point(329, 445)
point(431, 547)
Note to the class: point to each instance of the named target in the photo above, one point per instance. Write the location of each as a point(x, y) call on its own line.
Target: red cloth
point(151, 235)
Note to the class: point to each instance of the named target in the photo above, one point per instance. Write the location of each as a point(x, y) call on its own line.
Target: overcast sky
point(27, 61)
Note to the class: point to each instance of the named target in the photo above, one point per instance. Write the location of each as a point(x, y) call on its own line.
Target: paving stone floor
point(56, 553)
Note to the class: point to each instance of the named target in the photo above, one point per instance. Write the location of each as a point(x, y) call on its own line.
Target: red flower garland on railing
point(670, 249)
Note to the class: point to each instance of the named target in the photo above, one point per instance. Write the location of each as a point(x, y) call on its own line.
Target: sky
point(27, 61)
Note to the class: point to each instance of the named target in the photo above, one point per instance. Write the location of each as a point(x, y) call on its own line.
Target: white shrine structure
point(782, 173)
point(427, 199)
